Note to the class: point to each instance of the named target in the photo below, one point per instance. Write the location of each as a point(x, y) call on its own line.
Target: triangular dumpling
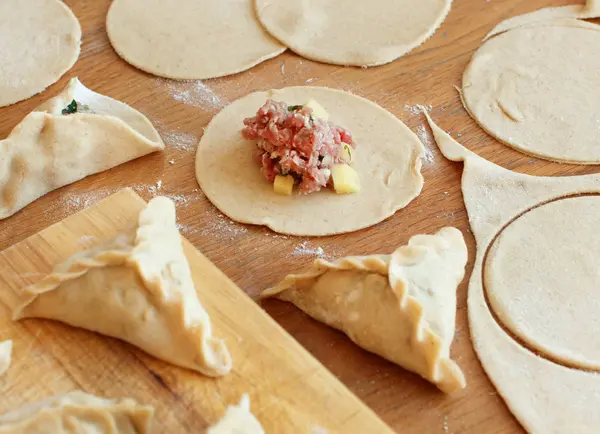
point(78, 412)
point(49, 149)
point(400, 306)
point(238, 419)
point(5, 356)
point(137, 288)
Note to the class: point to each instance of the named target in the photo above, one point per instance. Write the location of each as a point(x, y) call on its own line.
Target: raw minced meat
point(291, 141)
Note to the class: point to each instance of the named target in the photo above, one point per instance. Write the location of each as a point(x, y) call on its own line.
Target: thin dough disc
point(40, 42)
point(352, 32)
point(529, 278)
point(189, 39)
point(536, 89)
point(388, 161)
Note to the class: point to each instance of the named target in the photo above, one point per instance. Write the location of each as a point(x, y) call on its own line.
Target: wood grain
point(255, 258)
point(287, 386)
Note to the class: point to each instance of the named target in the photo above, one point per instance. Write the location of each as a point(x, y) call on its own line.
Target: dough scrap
point(388, 161)
point(48, 150)
point(352, 33)
point(544, 395)
point(400, 306)
point(40, 42)
point(519, 85)
point(5, 355)
point(185, 39)
point(78, 413)
point(137, 288)
point(238, 420)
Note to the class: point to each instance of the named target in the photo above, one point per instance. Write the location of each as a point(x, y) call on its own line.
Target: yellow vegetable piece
point(318, 110)
point(284, 185)
point(345, 179)
point(347, 153)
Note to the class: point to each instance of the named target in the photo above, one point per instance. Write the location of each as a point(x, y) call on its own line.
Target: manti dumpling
point(400, 306)
point(76, 134)
point(5, 356)
point(138, 288)
point(238, 419)
point(78, 413)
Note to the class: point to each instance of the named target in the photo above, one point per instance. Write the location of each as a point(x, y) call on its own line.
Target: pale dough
point(189, 39)
point(5, 355)
point(238, 419)
point(400, 306)
point(40, 42)
point(534, 85)
point(388, 161)
point(48, 150)
point(138, 288)
point(79, 413)
point(355, 33)
point(546, 395)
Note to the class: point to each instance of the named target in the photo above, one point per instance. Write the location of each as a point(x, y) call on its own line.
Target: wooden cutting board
point(287, 386)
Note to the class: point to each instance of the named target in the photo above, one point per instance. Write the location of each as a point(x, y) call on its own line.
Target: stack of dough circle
point(541, 277)
point(189, 39)
point(40, 42)
point(536, 88)
point(388, 162)
point(352, 32)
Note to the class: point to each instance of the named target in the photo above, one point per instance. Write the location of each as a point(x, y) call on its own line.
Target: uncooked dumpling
point(5, 356)
point(400, 306)
point(189, 39)
point(238, 420)
point(40, 42)
point(78, 413)
point(534, 84)
point(388, 163)
point(49, 149)
point(137, 288)
point(352, 32)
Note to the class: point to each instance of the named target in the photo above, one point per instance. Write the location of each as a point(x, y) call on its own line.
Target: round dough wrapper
point(536, 89)
point(40, 42)
point(542, 275)
point(354, 33)
point(388, 161)
point(189, 39)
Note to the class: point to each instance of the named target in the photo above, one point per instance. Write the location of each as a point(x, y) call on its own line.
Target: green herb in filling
point(71, 108)
point(347, 148)
point(293, 108)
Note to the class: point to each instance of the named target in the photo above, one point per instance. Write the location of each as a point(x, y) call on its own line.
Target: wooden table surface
point(255, 257)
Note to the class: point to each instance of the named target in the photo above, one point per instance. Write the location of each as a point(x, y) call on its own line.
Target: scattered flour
point(184, 142)
point(283, 69)
point(310, 80)
point(171, 162)
point(303, 249)
point(220, 225)
point(417, 109)
point(78, 201)
point(427, 140)
point(86, 239)
point(194, 93)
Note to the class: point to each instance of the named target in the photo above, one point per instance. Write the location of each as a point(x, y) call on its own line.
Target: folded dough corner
point(73, 135)
point(138, 287)
point(78, 412)
point(400, 306)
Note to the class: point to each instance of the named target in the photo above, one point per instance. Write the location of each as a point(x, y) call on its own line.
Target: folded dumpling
point(137, 288)
point(76, 134)
point(5, 356)
point(400, 306)
point(78, 413)
point(238, 419)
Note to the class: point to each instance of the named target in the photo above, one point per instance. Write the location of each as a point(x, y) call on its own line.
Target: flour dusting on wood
point(193, 93)
point(303, 249)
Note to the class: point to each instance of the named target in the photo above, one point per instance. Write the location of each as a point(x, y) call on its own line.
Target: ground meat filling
point(291, 141)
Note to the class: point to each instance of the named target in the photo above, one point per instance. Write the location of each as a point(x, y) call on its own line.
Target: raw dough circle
point(388, 161)
point(40, 42)
point(189, 39)
point(355, 33)
point(536, 89)
point(542, 275)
